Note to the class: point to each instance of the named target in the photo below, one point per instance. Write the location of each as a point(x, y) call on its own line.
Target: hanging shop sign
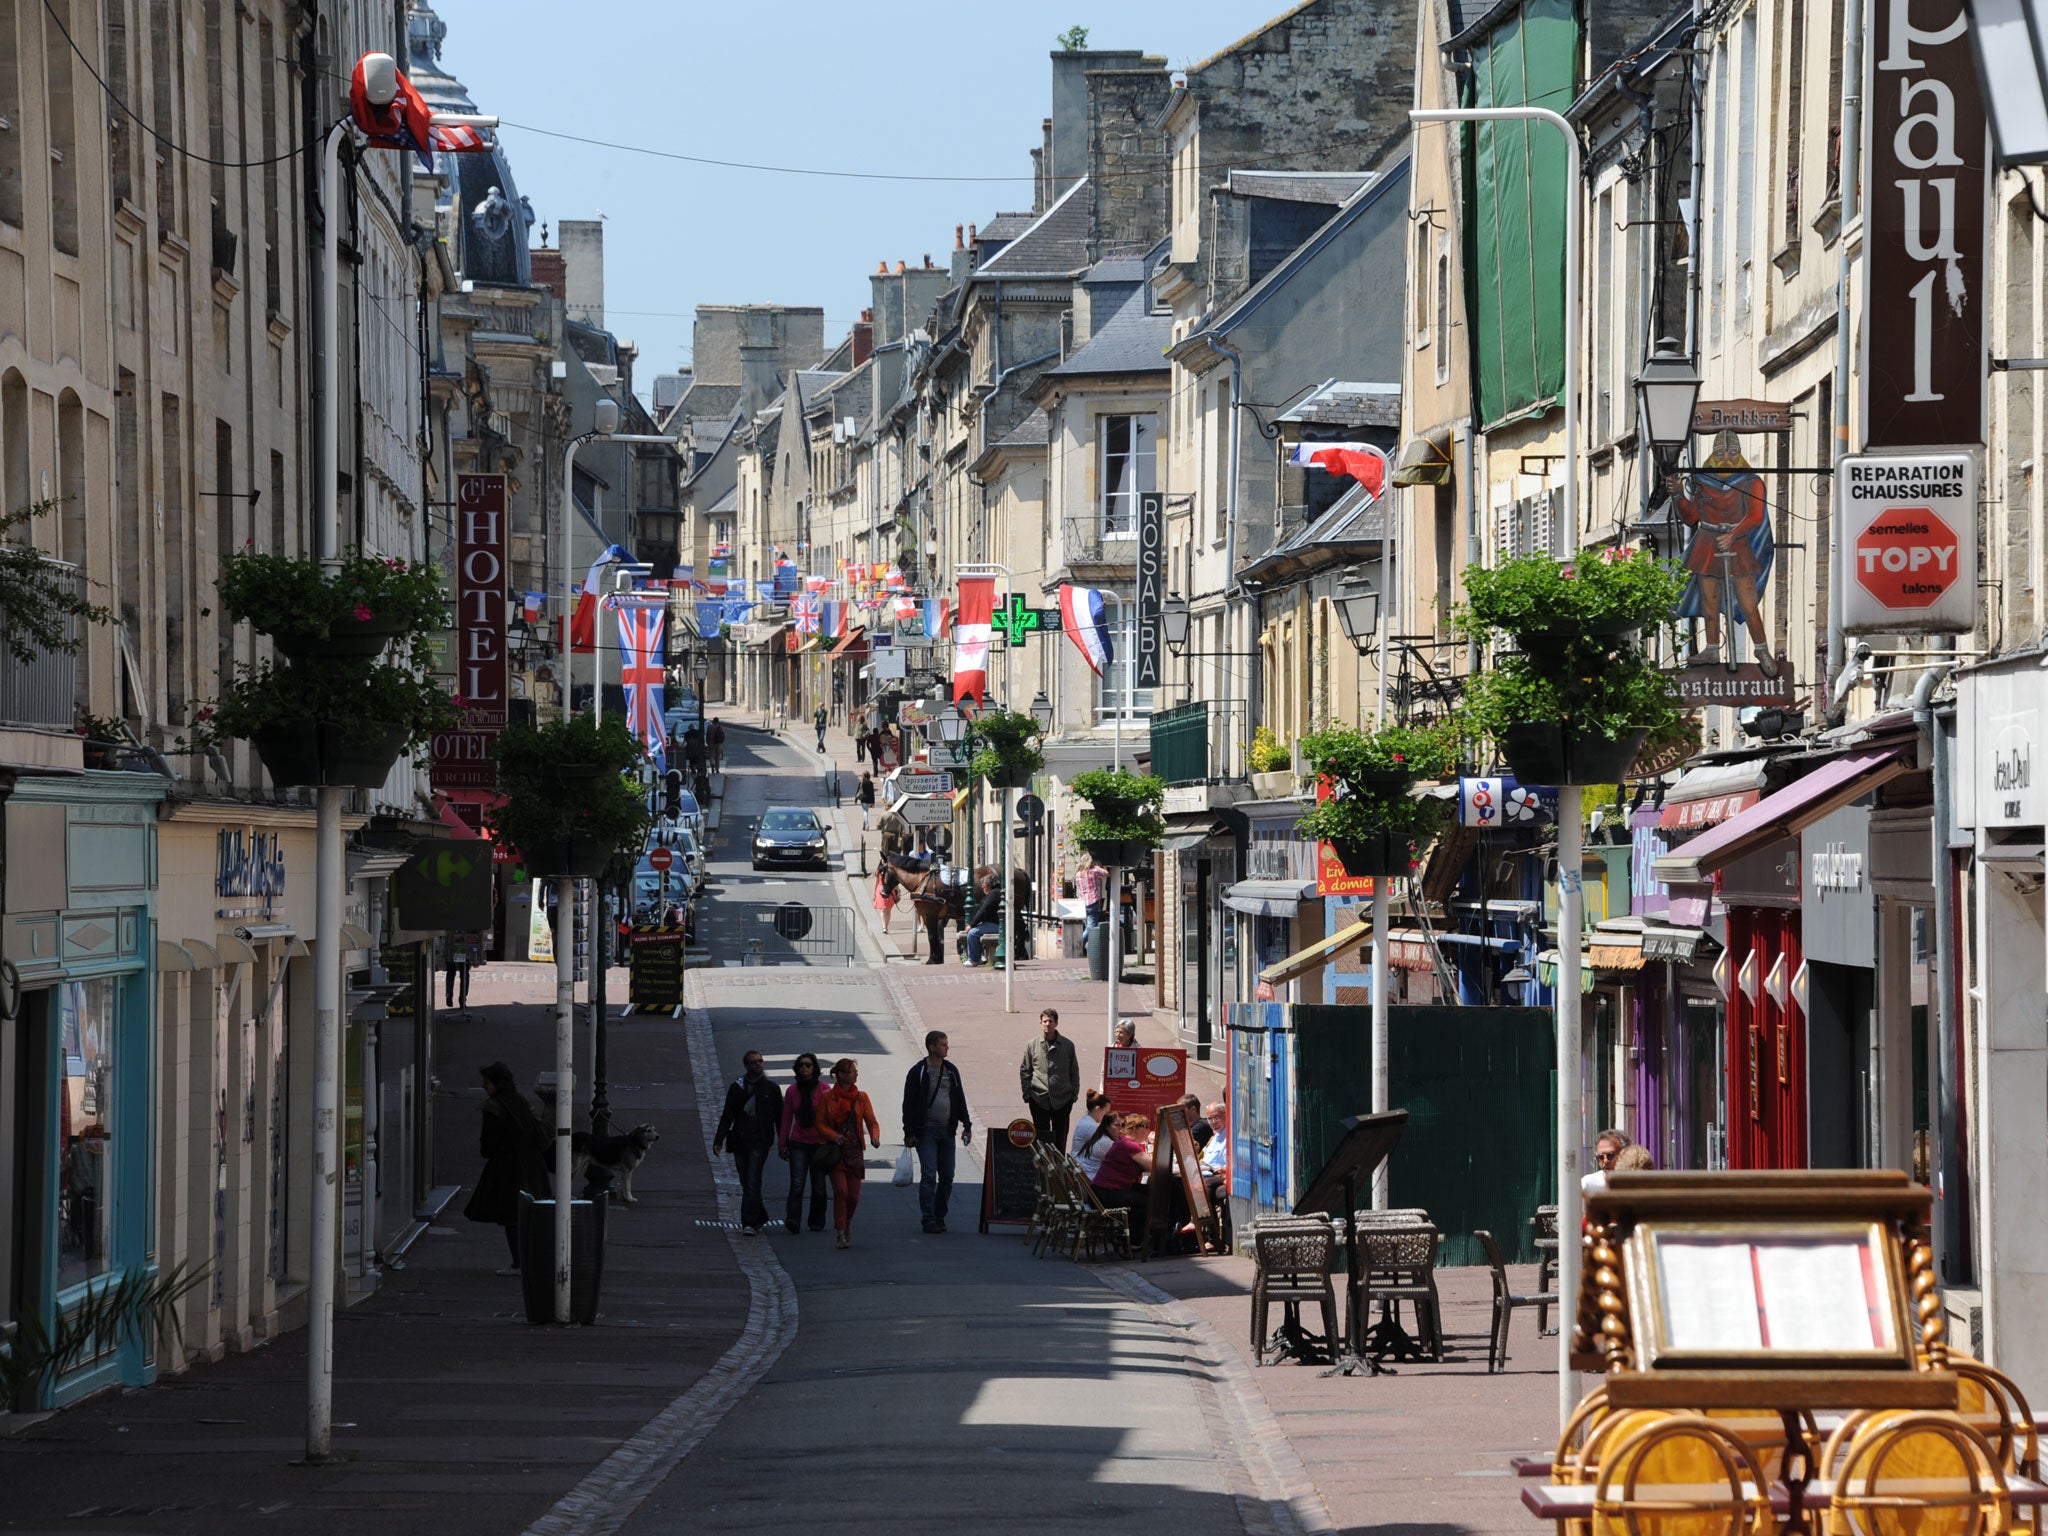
point(1711, 416)
point(1910, 526)
point(1999, 724)
point(1929, 207)
point(1151, 585)
point(480, 598)
point(1499, 801)
point(1838, 921)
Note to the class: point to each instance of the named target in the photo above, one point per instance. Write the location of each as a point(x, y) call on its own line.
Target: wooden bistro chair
point(1505, 1300)
point(1678, 1474)
point(1917, 1474)
point(1096, 1225)
point(1400, 1266)
point(1544, 1223)
point(1293, 1257)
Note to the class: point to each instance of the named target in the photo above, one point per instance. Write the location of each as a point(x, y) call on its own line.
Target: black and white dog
point(606, 1162)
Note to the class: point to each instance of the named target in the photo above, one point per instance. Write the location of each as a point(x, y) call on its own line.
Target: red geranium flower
point(362, 612)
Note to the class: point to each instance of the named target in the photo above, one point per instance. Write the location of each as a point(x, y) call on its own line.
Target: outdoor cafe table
point(1574, 1501)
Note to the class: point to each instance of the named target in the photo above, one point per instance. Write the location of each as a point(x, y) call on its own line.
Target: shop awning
point(234, 950)
point(376, 863)
point(353, 937)
point(1827, 788)
point(1708, 796)
point(1606, 956)
point(855, 636)
point(173, 957)
point(204, 956)
point(1662, 943)
point(1183, 838)
point(2011, 854)
point(1316, 955)
point(1269, 898)
point(1424, 460)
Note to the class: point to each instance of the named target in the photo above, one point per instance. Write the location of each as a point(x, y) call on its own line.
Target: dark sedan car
point(790, 835)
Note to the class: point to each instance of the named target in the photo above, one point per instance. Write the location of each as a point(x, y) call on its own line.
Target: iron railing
point(1083, 542)
point(44, 689)
point(1191, 743)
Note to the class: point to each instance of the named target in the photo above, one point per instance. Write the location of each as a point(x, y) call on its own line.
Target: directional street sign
point(925, 810)
point(921, 781)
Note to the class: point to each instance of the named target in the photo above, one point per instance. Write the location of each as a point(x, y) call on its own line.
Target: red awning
point(1783, 813)
point(856, 636)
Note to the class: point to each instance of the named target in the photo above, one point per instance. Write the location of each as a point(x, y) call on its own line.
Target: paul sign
point(1910, 528)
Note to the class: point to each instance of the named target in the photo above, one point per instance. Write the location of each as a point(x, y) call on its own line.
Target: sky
point(911, 90)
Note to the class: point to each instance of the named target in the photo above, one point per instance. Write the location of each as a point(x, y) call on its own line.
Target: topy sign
point(1910, 532)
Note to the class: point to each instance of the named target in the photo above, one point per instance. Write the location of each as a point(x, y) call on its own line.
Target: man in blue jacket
point(934, 1104)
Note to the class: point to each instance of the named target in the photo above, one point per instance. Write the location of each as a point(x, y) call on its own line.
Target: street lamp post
point(1570, 798)
point(1358, 611)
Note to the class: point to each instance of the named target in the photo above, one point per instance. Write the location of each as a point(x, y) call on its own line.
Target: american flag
point(643, 672)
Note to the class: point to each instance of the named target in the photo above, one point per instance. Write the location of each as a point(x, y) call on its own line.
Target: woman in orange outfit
point(847, 1119)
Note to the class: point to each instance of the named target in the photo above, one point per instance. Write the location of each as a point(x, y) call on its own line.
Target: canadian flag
point(583, 621)
point(971, 637)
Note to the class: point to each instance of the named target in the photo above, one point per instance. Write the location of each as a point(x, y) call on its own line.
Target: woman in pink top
point(799, 1141)
point(1120, 1181)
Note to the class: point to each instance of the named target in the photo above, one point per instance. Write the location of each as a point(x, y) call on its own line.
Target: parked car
point(790, 835)
point(684, 711)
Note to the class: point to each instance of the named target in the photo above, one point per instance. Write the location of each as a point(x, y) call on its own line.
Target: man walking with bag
point(752, 1118)
point(934, 1106)
point(1051, 1079)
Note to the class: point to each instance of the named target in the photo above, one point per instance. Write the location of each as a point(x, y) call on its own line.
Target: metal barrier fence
point(781, 933)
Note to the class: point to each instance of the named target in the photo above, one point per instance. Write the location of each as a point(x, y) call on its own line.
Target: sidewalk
point(456, 1415)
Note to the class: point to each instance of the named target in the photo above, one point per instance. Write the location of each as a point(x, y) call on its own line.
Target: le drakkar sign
point(1910, 532)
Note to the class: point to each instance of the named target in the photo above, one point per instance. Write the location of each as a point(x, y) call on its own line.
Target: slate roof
point(1118, 269)
point(1342, 403)
point(1005, 226)
point(809, 382)
point(1133, 340)
point(710, 399)
point(1302, 186)
point(1056, 244)
point(1034, 431)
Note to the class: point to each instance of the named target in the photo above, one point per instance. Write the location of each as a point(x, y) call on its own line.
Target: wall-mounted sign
point(1930, 199)
point(1502, 802)
point(249, 864)
point(1710, 416)
point(1910, 527)
point(480, 599)
point(1838, 909)
point(1151, 585)
point(1735, 683)
point(1999, 728)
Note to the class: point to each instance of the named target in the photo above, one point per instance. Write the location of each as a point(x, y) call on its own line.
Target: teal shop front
point(77, 1125)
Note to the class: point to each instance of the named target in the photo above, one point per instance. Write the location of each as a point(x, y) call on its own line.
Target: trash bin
point(1098, 952)
point(537, 1258)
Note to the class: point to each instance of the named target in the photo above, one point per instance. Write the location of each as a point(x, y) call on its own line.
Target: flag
point(834, 622)
point(583, 622)
point(971, 637)
point(1081, 617)
point(642, 672)
point(406, 122)
point(1361, 461)
point(532, 605)
point(785, 577)
point(710, 617)
point(806, 611)
point(906, 609)
point(938, 618)
point(817, 583)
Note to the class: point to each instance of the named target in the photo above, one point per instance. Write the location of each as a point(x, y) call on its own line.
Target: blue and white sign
point(1489, 803)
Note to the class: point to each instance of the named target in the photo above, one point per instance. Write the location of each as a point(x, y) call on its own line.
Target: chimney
point(863, 342)
point(957, 242)
point(899, 269)
point(583, 269)
point(881, 269)
point(970, 234)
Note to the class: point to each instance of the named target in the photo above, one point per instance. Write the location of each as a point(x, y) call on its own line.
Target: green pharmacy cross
point(1016, 620)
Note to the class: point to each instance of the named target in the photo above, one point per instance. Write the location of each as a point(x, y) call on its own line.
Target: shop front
point(78, 1060)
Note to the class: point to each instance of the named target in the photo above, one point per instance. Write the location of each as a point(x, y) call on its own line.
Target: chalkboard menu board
point(1009, 1192)
point(657, 966)
point(401, 963)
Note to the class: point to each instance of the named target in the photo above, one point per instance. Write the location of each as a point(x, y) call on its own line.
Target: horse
point(930, 899)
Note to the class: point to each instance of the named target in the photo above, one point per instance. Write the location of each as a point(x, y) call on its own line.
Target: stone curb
point(621, 1483)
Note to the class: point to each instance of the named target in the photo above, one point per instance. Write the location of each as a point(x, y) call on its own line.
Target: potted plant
point(566, 808)
point(334, 722)
point(1577, 696)
point(1370, 818)
point(1271, 764)
point(1005, 747)
point(356, 609)
point(1121, 825)
point(102, 736)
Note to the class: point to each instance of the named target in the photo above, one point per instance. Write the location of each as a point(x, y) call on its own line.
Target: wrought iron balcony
point(1191, 742)
point(1084, 543)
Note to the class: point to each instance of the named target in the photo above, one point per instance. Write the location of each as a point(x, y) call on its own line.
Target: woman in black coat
point(514, 1148)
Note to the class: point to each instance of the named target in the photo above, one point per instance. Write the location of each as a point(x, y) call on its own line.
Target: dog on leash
point(606, 1161)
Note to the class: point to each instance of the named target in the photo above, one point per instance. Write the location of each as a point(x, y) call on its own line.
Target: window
point(1110, 697)
point(1717, 270)
point(85, 1130)
point(121, 131)
point(1442, 328)
point(165, 26)
point(10, 116)
point(1418, 280)
point(1793, 133)
point(1604, 298)
point(1745, 173)
point(1130, 466)
point(273, 271)
point(63, 129)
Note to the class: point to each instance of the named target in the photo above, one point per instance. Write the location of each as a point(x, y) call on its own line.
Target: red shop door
point(1766, 1043)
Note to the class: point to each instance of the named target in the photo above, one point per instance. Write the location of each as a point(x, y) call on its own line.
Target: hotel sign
point(480, 598)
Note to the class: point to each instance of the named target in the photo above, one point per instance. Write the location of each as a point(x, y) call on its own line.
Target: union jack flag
point(806, 611)
point(643, 672)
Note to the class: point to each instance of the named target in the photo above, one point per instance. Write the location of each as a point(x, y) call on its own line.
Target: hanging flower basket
point(1385, 855)
point(570, 858)
point(1118, 852)
point(1011, 777)
point(1562, 633)
point(326, 752)
point(346, 636)
point(1551, 754)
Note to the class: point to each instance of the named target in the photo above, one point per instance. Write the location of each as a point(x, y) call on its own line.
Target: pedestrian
point(987, 920)
point(1198, 1127)
point(1050, 1076)
point(1125, 1036)
point(1091, 1137)
point(695, 751)
point(750, 1126)
point(461, 956)
point(934, 1106)
point(1090, 881)
point(799, 1143)
point(818, 719)
point(864, 797)
point(1607, 1146)
point(514, 1148)
point(886, 897)
point(1634, 1158)
point(1216, 1153)
point(1020, 908)
point(714, 741)
point(846, 1122)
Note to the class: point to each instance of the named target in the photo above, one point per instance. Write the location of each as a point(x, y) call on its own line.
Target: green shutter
point(1515, 225)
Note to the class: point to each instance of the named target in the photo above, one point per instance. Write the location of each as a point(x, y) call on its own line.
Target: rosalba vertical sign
point(1151, 585)
point(1929, 193)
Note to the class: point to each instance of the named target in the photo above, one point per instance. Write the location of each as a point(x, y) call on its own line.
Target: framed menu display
point(1752, 1297)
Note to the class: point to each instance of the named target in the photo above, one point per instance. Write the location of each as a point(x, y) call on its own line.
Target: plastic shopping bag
point(906, 1170)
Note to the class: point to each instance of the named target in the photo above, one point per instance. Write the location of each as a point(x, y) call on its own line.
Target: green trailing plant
point(134, 1307)
point(39, 597)
point(359, 694)
point(293, 598)
point(1269, 752)
point(99, 727)
point(1005, 745)
point(1123, 807)
point(1534, 594)
point(1370, 774)
point(1609, 697)
point(563, 783)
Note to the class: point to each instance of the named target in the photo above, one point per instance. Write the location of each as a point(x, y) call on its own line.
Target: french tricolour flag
point(1081, 618)
point(583, 622)
point(1363, 462)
